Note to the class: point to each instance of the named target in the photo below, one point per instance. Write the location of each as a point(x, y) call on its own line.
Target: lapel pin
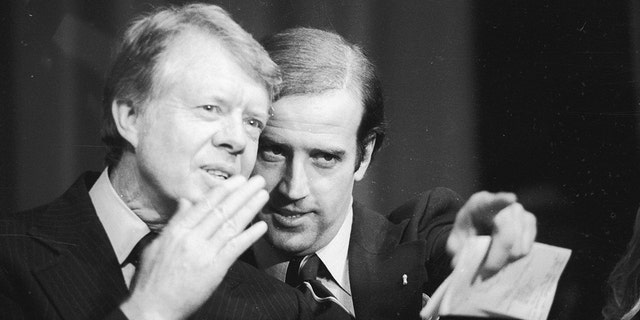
point(404, 279)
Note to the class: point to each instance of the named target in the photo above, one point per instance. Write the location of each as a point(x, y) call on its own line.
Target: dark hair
point(313, 61)
point(624, 282)
point(134, 74)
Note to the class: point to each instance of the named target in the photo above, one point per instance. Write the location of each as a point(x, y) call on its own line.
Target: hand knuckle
point(501, 218)
point(230, 226)
point(219, 212)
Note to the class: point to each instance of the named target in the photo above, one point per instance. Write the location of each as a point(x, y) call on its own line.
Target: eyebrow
point(336, 152)
point(217, 98)
point(257, 114)
point(266, 141)
point(269, 141)
point(228, 103)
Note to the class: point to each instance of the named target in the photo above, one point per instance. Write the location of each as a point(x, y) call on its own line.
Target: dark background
point(536, 97)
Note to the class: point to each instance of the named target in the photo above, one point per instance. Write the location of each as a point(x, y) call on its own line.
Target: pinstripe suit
point(56, 262)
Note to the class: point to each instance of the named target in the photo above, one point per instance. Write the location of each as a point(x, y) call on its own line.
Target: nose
point(295, 184)
point(231, 134)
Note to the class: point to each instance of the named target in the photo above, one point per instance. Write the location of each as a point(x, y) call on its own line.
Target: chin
point(287, 242)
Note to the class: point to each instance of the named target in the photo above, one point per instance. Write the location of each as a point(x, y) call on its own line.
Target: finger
point(239, 198)
point(496, 258)
point(533, 227)
point(523, 224)
point(505, 243)
point(236, 224)
point(487, 201)
point(239, 244)
point(228, 210)
point(209, 202)
point(529, 232)
point(455, 243)
point(455, 257)
point(476, 217)
point(487, 208)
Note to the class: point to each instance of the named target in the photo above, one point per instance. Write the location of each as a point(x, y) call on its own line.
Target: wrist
point(135, 310)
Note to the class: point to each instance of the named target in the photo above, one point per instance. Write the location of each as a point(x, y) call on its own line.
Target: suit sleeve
point(431, 216)
point(116, 315)
point(11, 310)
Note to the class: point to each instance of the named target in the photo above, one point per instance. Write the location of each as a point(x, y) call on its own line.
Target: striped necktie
point(323, 303)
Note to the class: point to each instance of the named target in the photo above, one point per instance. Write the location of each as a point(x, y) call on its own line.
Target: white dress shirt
point(333, 255)
point(124, 228)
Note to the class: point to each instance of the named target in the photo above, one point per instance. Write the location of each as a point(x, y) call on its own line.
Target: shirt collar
point(123, 227)
point(335, 254)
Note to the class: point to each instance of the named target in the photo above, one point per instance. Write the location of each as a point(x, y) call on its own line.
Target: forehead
point(197, 64)
point(332, 116)
point(192, 46)
point(193, 49)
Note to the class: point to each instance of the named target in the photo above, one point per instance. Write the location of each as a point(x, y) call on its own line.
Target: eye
point(328, 157)
point(210, 108)
point(255, 123)
point(325, 160)
point(270, 153)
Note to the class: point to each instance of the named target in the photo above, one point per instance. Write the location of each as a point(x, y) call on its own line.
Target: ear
point(126, 119)
point(366, 158)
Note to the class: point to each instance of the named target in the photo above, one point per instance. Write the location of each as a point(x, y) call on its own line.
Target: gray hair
point(132, 78)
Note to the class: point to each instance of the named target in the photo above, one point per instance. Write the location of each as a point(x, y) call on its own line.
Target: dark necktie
point(323, 303)
point(136, 253)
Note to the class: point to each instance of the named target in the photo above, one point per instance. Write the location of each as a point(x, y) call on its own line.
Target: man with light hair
point(187, 97)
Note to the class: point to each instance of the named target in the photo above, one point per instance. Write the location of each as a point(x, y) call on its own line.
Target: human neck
point(138, 196)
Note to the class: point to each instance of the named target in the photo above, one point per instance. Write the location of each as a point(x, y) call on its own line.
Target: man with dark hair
point(187, 97)
point(327, 124)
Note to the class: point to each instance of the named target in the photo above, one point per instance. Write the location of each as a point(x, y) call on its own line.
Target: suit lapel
point(82, 278)
point(377, 264)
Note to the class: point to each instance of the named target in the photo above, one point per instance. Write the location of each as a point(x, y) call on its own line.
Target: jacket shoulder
point(442, 203)
point(21, 221)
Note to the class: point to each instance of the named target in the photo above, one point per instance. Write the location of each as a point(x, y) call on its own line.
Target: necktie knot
point(303, 269)
point(309, 270)
point(136, 253)
point(322, 302)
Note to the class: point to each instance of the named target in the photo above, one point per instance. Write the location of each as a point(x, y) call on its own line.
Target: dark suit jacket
point(56, 262)
point(411, 241)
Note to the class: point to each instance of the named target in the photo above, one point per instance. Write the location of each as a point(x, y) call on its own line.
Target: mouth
point(219, 174)
point(287, 218)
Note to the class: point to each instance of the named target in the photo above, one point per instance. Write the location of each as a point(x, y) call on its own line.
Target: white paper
point(523, 289)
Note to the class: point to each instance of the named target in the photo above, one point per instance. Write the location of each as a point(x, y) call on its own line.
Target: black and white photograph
point(329, 159)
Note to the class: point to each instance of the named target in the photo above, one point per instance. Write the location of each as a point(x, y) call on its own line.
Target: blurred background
point(536, 97)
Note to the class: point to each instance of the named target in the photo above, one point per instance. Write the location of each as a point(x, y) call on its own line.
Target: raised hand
point(187, 262)
point(513, 229)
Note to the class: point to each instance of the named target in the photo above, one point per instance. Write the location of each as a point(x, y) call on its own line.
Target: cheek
point(334, 193)
point(172, 136)
point(158, 146)
point(248, 159)
point(271, 172)
point(246, 165)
